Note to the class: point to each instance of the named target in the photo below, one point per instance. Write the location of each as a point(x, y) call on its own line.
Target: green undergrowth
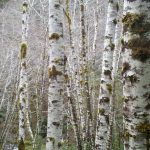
point(43, 147)
point(71, 147)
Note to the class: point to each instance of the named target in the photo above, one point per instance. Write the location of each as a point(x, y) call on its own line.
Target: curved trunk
point(136, 74)
point(56, 76)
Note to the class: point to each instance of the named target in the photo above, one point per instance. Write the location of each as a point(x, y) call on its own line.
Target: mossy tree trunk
point(106, 79)
point(84, 96)
point(56, 76)
point(136, 74)
point(23, 76)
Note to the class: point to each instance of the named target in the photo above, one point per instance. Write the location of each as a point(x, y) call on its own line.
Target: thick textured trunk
point(136, 74)
point(23, 76)
point(106, 79)
point(56, 76)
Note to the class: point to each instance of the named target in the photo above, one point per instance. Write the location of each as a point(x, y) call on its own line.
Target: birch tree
point(116, 58)
point(23, 76)
point(71, 83)
point(106, 79)
point(84, 96)
point(136, 74)
point(56, 76)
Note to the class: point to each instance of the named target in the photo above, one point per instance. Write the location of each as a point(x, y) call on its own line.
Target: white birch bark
point(117, 51)
point(106, 79)
point(95, 31)
point(27, 117)
point(75, 120)
point(23, 76)
point(83, 91)
point(136, 74)
point(72, 71)
point(56, 76)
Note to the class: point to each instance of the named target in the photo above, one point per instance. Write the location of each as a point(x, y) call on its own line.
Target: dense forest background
point(86, 59)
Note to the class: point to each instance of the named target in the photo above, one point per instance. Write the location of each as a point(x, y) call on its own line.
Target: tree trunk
point(56, 76)
point(136, 74)
point(23, 76)
point(106, 79)
point(72, 63)
point(84, 97)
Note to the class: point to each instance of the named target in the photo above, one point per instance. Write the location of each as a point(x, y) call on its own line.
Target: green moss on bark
point(143, 127)
point(136, 23)
point(109, 88)
point(60, 144)
point(54, 36)
point(127, 135)
point(101, 111)
point(130, 20)
point(66, 78)
point(23, 51)
point(112, 46)
point(52, 139)
point(140, 46)
point(21, 145)
point(24, 7)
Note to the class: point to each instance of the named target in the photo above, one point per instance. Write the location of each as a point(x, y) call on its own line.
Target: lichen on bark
point(140, 48)
point(137, 24)
point(23, 50)
point(54, 36)
point(53, 72)
point(143, 127)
